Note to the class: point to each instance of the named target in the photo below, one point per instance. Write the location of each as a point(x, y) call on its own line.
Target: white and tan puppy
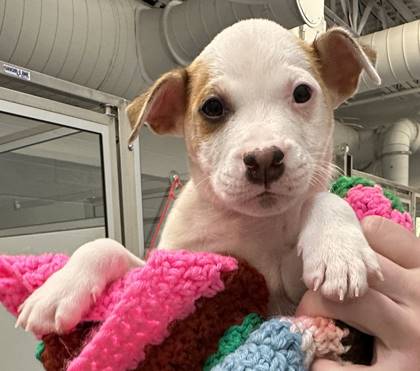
point(256, 111)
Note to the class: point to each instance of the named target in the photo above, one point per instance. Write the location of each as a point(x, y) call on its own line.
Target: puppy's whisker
point(202, 181)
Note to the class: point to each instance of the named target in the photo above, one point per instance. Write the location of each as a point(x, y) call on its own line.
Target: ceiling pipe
point(186, 27)
point(398, 55)
point(400, 141)
point(120, 47)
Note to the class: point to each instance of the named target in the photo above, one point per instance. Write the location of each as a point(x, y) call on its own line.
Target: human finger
point(392, 241)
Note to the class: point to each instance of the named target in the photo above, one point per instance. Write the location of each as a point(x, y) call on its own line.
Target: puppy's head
point(256, 111)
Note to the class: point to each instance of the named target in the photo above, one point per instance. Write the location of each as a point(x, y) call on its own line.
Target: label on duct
point(17, 72)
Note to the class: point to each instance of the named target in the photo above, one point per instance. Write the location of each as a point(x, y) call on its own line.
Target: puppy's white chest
point(268, 244)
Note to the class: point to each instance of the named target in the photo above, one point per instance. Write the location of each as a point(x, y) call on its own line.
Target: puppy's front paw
point(338, 262)
point(59, 304)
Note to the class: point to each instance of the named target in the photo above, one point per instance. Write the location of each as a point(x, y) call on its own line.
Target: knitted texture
point(60, 349)
point(158, 294)
point(342, 185)
point(271, 347)
point(22, 275)
point(40, 347)
point(320, 337)
point(372, 201)
point(301, 340)
point(172, 313)
point(190, 341)
point(395, 200)
point(233, 338)
point(165, 290)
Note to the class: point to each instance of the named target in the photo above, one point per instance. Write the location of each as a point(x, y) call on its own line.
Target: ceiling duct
point(398, 55)
point(121, 46)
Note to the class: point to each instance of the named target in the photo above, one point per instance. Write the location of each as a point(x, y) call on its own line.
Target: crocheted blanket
point(182, 311)
point(189, 311)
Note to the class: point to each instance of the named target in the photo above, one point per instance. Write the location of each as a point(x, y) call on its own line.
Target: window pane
point(51, 177)
point(160, 157)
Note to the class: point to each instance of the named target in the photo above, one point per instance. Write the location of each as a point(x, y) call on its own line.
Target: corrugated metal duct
point(89, 42)
point(398, 54)
point(119, 46)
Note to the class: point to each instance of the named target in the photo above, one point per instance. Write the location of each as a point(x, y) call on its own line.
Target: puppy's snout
point(264, 166)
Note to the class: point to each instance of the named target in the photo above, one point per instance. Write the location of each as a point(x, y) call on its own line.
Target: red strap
point(176, 183)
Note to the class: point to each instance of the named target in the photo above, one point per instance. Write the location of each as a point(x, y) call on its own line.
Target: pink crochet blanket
point(164, 291)
point(167, 288)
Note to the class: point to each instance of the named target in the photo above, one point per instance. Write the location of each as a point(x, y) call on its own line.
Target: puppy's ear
point(162, 107)
point(342, 60)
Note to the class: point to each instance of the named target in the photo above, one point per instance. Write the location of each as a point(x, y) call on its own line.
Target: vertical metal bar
point(345, 8)
point(355, 14)
point(130, 186)
point(333, 6)
point(348, 162)
point(365, 16)
point(413, 209)
point(383, 17)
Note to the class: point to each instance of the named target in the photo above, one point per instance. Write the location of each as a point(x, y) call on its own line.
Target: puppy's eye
point(213, 108)
point(302, 93)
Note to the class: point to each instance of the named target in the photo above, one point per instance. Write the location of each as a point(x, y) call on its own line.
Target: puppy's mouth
point(267, 199)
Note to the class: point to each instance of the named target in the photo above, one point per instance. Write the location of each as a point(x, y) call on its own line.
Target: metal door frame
point(108, 152)
point(65, 98)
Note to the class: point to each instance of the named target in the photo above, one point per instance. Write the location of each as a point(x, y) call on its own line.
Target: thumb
point(327, 365)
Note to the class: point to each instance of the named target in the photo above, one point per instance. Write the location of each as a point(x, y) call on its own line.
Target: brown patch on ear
point(162, 107)
point(341, 61)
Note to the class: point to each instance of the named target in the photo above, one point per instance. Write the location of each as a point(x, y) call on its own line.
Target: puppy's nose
point(264, 166)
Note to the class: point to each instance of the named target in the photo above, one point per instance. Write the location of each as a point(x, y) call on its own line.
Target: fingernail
point(380, 275)
point(341, 295)
point(356, 292)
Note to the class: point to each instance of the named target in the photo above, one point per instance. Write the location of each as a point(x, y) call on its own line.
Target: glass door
point(56, 184)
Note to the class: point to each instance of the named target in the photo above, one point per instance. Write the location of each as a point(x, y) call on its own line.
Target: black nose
point(264, 166)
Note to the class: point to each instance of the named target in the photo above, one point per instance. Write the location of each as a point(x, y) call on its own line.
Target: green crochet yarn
point(40, 347)
point(232, 339)
point(341, 186)
point(395, 200)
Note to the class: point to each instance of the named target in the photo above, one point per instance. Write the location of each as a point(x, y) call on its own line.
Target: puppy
point(256, 111)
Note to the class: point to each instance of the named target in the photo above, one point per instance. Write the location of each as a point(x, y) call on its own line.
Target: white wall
point(161, 154)
point(17, 348)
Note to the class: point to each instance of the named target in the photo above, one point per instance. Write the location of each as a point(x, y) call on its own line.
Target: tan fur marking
point(316, 69)
point(162, 106)
point(338, 57)
point(197, 128)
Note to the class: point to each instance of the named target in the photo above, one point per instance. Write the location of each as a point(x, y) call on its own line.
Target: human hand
point(390, 310)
